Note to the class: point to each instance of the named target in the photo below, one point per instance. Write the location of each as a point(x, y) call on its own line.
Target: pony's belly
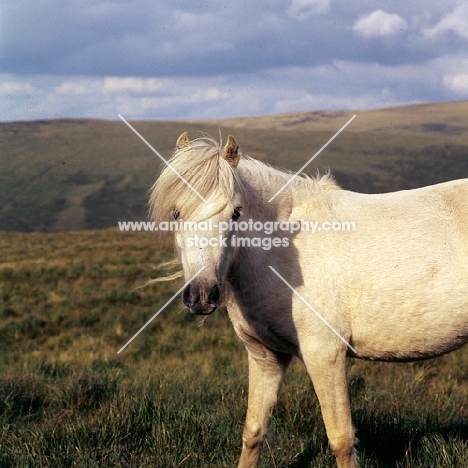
point(418, 318)
point(399, 343)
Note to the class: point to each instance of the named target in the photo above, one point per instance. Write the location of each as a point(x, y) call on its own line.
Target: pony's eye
point(237, 213)
point(175, 213)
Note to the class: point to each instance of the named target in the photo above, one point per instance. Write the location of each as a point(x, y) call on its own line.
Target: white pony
point(394, 289)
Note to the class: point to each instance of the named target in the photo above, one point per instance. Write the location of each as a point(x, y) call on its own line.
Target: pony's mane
point(201, 166)
point(276, 176)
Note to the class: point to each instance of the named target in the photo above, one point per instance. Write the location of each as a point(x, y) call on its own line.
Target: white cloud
point(340, 84)
point(137, 85)
point(457, 83)
point(74, 87)
point(301, 9)
point(9, 88)
point(379, 23)
point(206, 95)
point(457, 21)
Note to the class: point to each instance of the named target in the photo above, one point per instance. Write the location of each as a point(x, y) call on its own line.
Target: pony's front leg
point(327, 369)
point(266, 370)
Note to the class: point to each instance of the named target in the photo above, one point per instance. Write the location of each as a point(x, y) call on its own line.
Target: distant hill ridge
point(74, 174)
point(449, 118)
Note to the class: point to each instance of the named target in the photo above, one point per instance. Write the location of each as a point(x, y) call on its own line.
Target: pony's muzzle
point(201, 300)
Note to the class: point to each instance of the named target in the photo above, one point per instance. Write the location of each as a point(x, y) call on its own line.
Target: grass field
point(176, 397)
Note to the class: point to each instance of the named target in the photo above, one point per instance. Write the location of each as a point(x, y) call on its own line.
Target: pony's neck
point(260, 183)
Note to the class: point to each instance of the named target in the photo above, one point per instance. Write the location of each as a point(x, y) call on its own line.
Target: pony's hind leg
point(327, 369)
point(266, 371)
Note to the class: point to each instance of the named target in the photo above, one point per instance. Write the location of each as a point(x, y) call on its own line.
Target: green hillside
point(60, 175)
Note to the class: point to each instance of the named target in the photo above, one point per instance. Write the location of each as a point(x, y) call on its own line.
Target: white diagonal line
point(160, 310)
point(311, 307)
point(163, 160)
point(312, 158)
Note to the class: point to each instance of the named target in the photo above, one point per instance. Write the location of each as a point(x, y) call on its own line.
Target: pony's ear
point(182, 141)
point(231, 151)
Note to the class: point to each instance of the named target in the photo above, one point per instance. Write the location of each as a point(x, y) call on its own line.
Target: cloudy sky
point(179, 59)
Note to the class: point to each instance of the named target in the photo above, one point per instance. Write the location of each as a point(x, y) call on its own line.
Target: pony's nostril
point(186, 294)
point(214, 295)
point(190, 297)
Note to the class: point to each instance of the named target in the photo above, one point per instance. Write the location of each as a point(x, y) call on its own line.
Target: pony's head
point(197, 195)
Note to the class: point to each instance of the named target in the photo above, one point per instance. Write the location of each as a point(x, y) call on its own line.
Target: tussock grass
point(177, 395)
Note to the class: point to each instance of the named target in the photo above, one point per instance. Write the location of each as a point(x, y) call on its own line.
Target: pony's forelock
point(200, 167)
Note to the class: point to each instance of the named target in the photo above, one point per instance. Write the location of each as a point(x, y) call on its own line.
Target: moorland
point(70, 298)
